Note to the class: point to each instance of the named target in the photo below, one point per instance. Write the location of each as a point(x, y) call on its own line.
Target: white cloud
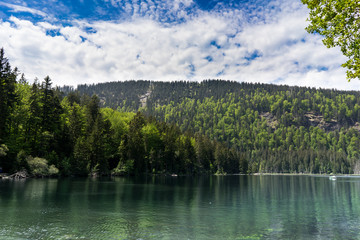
point(19, 8)
point(211, 45)
point(159, 10)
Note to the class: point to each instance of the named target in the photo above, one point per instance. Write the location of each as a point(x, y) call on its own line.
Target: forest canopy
point(47, 134)
point(144, 127)
point(274, 128)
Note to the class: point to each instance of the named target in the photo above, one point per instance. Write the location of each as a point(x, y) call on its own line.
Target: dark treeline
point(125, 95)
point(274, 128)
point(49, 134)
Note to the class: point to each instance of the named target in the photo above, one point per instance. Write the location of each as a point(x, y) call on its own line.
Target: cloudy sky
point(90, 41)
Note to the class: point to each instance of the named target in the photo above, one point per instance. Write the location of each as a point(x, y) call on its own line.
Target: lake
point(211, 207)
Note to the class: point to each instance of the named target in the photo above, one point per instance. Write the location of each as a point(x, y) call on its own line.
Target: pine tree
point(7, 94)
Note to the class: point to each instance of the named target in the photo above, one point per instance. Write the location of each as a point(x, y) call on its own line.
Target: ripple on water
point(232, 207)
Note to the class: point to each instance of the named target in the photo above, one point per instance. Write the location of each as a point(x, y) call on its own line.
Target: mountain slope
point(277, 128)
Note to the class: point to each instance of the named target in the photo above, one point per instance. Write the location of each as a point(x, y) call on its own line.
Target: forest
point(49, 134)
point(148, 127)
point(275, 129)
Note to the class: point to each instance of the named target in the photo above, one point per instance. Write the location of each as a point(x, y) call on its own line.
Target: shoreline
point(304, 174)
point(15, 175)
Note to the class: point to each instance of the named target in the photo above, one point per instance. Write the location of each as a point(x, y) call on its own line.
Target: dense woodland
point(139, 127)
point(279, 129)
point(45, 133)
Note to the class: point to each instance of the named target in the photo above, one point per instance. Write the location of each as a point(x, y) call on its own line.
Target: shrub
point(124, 168)
point(3, 150)
point(39, 167)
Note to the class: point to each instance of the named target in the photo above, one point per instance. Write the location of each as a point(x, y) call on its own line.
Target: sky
point(93, 41)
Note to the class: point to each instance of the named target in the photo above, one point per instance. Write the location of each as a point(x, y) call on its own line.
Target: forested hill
point(307, 106)
point(44, 133)
point(277, 128)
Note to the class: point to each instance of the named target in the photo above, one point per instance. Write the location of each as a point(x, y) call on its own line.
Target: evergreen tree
point(7, 94)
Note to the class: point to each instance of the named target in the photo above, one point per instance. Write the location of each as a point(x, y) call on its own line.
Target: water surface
point(213, 207)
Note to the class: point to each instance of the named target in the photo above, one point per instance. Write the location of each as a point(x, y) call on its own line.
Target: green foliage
point(124, 168)
point(7, 93)
point(339, 22)
point(185, 128)
point(127, 94)
point(3, 150)
point(256, 127)
point(21, 161)
point(74, 136)
point(39, 167)
point(53, 171)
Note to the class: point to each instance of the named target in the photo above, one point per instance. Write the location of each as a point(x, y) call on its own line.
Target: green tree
point(136, 143)
point(339, 22)
point(7, 94)
point(33, 125)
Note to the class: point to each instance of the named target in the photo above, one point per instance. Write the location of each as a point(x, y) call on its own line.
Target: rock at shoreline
point(19, 175)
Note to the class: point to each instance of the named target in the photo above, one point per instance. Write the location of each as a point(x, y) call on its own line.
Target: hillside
point(276, 128)
point(44, 133)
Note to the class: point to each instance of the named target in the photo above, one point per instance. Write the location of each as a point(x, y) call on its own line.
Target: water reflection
point(215, 207)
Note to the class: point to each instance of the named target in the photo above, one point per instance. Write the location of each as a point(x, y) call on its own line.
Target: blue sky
point(89, 41)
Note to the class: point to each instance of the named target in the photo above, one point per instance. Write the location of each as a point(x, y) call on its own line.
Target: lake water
point(213, 207)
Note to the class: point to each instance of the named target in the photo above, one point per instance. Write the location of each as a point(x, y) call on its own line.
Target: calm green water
point(227, 207)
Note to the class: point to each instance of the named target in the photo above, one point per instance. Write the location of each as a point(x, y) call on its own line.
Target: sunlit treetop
point(339, 22)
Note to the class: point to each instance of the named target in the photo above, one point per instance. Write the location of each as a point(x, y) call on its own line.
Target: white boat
point(333, 178)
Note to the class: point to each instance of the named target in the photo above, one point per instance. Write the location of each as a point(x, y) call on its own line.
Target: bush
point(124, 168)
point(53, 171)
point(39, 167)
point(3, 150)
